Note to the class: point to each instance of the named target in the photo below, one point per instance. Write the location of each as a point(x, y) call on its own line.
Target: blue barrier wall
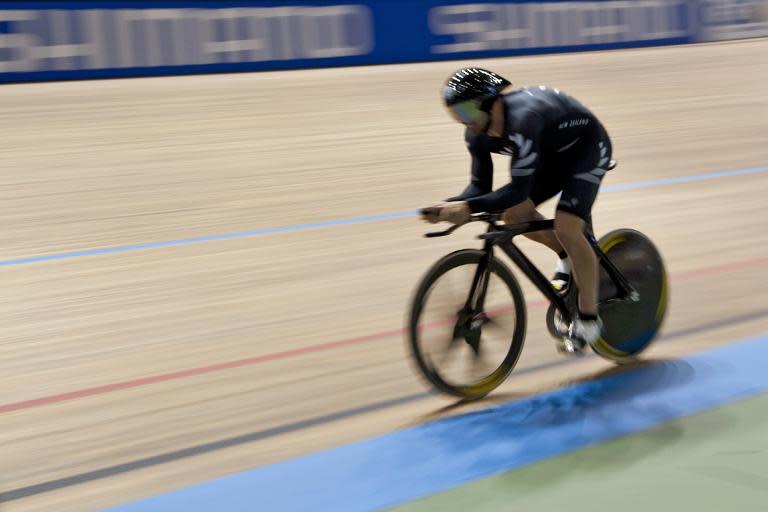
point(62, 40)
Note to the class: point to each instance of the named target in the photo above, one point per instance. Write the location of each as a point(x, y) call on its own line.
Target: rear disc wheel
point(630, 325)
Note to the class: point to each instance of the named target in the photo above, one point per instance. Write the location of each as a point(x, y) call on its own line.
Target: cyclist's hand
point(455, 212)
point(430, 214)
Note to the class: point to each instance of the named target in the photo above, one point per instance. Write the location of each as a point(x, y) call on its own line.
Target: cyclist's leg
point(545, 186)
point(570, 228)
point(573, 218)
point(526, 212)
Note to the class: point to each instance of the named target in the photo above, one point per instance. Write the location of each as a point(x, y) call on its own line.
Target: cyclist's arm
point(524, 166)
point(505, 197)
point(482, 168)
point(524, 133)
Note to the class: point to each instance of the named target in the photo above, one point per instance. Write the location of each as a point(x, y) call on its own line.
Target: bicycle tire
point(474, 390)
point(629, 327)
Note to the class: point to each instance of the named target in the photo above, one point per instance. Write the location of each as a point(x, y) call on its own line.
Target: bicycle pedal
point(570, 347)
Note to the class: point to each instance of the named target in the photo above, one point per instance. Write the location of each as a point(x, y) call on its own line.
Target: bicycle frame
point(504, 239)
point(502, 236)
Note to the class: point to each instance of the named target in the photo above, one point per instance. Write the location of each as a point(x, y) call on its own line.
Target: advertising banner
point(64, 40)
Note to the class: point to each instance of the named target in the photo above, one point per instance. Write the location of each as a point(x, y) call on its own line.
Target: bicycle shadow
point(469, 406)
point(465, 406)
point(563, 420)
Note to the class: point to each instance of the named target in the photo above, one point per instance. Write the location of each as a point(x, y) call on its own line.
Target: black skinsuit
point(556, 144)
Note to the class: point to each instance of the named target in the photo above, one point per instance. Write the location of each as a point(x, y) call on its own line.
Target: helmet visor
point(466, 112)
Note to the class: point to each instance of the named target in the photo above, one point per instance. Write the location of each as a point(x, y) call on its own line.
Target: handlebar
point(477, 217)
point(499, 231)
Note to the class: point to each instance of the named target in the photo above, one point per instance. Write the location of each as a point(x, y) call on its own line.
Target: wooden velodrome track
point(132, 373)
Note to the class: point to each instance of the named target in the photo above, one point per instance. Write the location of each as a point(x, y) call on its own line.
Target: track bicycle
point(469, 306)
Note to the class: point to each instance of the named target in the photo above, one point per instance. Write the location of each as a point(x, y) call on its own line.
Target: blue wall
point(62, 40)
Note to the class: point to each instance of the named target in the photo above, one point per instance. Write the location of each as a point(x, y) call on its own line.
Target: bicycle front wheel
point(463, 348)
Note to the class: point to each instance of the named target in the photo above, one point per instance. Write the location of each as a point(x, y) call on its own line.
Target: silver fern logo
point(603, 155)
point(524, 164)
point(596, 174)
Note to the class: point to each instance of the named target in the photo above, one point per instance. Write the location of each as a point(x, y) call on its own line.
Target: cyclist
point(556, 145)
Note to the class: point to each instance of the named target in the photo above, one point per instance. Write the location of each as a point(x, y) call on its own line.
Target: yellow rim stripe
point(490, 382)
point(612, 242)
point(606, 348)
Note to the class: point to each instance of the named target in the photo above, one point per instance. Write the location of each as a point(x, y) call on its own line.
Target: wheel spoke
point(504, 324)
point(450, 349)
point(457, 347)
point(460, 293)
point(479, 362)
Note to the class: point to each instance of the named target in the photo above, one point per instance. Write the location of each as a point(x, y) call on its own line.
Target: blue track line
point(684, 179)
point(331, 223)
point(416, 462)
point(201, 239)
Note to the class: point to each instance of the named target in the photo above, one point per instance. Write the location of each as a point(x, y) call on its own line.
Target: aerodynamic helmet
point(471, 91)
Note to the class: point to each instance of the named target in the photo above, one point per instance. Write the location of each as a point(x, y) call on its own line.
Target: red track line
point(108, 388)
point(117, 386)
point(718, 269)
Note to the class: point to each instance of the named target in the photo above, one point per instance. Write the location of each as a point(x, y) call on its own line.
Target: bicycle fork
point(476, 300)
point(472, 316)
